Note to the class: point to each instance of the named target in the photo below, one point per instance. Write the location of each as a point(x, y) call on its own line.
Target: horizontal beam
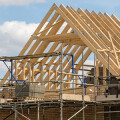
point(63, 38)
point(86, 65)
point(33, 56)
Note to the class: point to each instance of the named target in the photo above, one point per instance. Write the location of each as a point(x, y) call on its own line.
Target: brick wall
point(54, 113)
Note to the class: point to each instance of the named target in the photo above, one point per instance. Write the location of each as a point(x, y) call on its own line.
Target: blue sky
point(19, 19)
point(33, 12)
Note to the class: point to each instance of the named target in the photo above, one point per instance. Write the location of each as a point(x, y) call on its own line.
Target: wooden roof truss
point(77, 32)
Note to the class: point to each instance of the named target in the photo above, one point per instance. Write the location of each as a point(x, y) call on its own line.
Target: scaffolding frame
point(61, 81)
point(87, 32)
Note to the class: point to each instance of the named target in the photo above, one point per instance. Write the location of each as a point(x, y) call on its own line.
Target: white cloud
point(89, 62)
point(13, 36)
point(19, 2)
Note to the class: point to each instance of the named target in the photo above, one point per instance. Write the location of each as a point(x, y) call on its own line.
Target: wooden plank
point(33, 77)
point(42, 72)
point(23, 71)
point(97, 71)
point(112, 21)
point(115, 19)
point(104, 74)
point(64, 38)
point(75, 97)
point(29, 67)
point(88, 65)
point(85, 69)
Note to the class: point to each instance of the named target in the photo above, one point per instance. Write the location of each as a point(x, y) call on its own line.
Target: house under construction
point(50, 78)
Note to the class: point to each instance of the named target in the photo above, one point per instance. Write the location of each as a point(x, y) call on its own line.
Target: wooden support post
point(23, 66)
point(33, 73)
point(77, 81)
point(29, 68)
point(97, 70)
point(104, 73)
point(42, 73)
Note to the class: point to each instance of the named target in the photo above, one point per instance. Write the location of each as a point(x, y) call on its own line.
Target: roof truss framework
point(76, 31)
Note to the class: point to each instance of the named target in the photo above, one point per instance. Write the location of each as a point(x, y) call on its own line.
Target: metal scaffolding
point(15, 106)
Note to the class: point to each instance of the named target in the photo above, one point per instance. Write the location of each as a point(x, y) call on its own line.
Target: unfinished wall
point(54, 113)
